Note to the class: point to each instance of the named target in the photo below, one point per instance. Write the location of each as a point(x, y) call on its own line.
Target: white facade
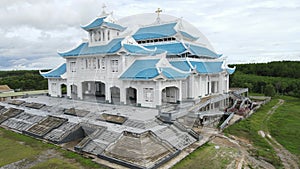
point(115, 67)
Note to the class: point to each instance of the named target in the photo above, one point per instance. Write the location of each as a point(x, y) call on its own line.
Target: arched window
point(103, 35)
point(99, 33)
point(95, 36)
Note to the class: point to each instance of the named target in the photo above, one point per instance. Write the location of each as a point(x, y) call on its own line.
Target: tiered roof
point(169, 38)
point(55, 73)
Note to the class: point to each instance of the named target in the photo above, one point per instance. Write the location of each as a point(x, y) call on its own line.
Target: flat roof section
point(139, 150)
point(45, 126)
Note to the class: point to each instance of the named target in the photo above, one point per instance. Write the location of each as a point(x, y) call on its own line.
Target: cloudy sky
point(32, 31)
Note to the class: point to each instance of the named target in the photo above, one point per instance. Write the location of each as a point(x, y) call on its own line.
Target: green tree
point(269, 90)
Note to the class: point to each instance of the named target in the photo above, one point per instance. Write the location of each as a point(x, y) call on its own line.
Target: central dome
point(134, 22)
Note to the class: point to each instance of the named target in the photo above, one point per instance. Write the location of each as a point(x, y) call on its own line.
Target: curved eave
point(172, 74)
point(202, 51)
point(230, 70)
point(73, 52)
point(114, 26)
point(56, 72)
point(188, 36)
point(138, 49)
point(94, 24)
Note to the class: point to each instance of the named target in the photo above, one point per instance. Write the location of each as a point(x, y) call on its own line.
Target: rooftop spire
point(103, 9)
point(158, 11)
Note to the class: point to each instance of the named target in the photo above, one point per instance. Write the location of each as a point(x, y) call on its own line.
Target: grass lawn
point(15, 147)
point(55, 163)
point(284, 124)
point(12, 151)
point(249, 128)
point(207, 157)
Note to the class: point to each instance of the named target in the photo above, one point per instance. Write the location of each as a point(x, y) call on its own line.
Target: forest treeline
point(269, 78)
point(23, 80)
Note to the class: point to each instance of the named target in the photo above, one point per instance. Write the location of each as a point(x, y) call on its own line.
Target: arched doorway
point(170, 95)
point(131, 96)
point(100, 91)
point(63, 90)
point(115, 95)
point(74, 91)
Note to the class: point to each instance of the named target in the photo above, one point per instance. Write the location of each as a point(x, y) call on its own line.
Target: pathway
point(288, 159)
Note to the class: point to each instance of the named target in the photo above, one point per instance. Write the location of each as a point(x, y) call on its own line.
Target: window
point(99, 33)
point(214, 86)
point(73, 66)
point(103, 63)
point(148, 94)
point(98, 63)
point(94, 63)
point(114, 65)
point(118, 33)
point(95, 36)
point(108, 35)
point(53, 87)
point(103, 35)
point(91, 36)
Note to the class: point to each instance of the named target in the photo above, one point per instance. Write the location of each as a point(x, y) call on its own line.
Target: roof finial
point(103, 9)
point(158, 11)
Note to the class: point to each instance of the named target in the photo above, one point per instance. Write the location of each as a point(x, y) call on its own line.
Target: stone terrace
point(138, 140)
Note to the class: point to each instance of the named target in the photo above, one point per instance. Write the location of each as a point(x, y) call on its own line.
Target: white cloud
point(35, 30)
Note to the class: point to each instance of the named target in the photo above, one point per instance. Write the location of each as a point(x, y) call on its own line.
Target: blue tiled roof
point(171, 48)
point(182, 65)
point(157, 31)
point(230, 70)
point(114, 26)
point(141, 69)
point(55, 73)
point(202, 51)
point(83, 49)
point(96, 23)
point(187, 35)
point(207, 67)
point(171, 73)
point(136, 49)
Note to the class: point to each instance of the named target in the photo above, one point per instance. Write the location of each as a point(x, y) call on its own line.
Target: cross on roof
point(103, 9)
point(158, 11)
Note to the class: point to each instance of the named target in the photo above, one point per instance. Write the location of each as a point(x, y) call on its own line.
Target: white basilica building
point(164, 61)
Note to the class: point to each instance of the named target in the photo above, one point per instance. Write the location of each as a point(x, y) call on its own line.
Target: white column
point(69, 90)
point(180, 91)
point(157, 93)
point(79, 91)
point(191, 87)
point(107, 93)
point(122, 94)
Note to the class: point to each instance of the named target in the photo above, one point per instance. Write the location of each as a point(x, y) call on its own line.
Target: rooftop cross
point(103, 9)
point(158, 11)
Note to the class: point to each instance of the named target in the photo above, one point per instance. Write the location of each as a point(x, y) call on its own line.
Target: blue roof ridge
point(191, 66)
point(52, 70)
point(71, 49)
point(98, 17)
point(159, 24)
point(136, 44)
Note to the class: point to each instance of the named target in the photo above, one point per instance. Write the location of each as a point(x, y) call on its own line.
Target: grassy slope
point(15, 147)
point(249, 128)
point(55, 163)
point(207, 157)
point(12, 151)
point(284, 125)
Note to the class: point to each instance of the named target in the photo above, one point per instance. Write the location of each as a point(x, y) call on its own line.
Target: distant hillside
point(23, 80)
point(269, 78)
